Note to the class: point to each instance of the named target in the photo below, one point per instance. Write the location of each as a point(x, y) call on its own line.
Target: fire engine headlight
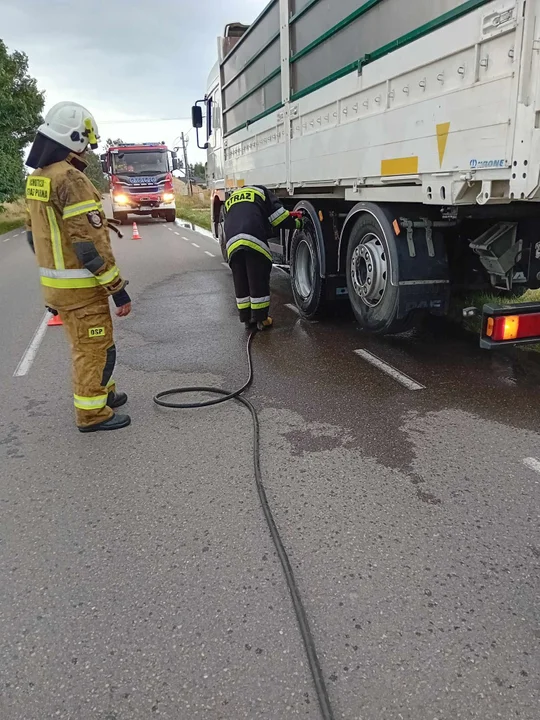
point(168, 197)
point(121, 199)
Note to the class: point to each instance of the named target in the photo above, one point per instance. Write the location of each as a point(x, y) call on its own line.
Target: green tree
point(94, 171)
point(198, 170)
point(21, 104)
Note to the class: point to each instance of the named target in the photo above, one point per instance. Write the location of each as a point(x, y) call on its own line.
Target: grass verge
point(194, 209)
point(13, 216)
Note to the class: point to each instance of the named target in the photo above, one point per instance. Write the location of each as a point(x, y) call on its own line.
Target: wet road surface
point(138, 579)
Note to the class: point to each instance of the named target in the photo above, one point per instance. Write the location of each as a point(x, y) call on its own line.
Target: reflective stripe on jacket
point(70, 236)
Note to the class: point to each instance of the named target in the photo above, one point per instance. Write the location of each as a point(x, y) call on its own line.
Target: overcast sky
point(124, 60)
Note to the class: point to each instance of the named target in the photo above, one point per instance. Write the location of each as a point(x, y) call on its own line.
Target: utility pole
point(186, 166)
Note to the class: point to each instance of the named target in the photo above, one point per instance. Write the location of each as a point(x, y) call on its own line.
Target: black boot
point(114, 423)
point(116, 399)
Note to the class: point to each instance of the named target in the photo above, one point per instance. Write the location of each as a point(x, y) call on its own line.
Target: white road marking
point(195, 245)
point(186, 239)
point(194, 228)
point(176, 233)
point(31, 351)
point(393, 372)
point(209, 253)
point(6, 239)
point(532, 463)
point(225, 265)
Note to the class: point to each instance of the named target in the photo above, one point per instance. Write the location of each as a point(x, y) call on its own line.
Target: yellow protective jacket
point(70, 236)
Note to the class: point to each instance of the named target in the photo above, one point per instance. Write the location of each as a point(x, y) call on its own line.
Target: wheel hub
point(369, 270)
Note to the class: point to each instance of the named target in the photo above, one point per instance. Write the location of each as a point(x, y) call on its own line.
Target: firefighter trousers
point(251, 275)
point(93, 354)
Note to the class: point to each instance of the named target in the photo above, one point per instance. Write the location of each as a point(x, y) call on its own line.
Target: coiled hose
point(303, 623)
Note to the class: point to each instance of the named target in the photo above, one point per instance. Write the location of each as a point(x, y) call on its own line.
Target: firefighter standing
point(68, 232)
point(252, 214)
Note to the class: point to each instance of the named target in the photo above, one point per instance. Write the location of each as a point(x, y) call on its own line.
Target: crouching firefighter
point(252, 214)
point(68, 232)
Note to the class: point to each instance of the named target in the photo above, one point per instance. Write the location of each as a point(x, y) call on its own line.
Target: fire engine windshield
point(140, 163)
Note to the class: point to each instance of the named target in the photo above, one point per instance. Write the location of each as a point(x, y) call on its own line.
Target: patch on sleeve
point(94, 218)
point(38, 188)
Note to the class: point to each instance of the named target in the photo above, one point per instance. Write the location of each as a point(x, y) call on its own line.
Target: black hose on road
point(305, 631)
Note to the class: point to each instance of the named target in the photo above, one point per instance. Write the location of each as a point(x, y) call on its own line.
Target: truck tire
point(170, 215)
point(307, 283)
point(221, 234)
point(374, 300)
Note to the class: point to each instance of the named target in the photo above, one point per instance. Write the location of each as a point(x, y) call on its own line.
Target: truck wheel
point(170, 215)
point(374, 299)
point(221, 234)
point(307, 283)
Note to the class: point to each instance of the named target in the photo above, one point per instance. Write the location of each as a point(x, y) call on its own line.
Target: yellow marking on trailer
point(443, 130)
point(240, 183)
point(400, 166)
point(229, 182)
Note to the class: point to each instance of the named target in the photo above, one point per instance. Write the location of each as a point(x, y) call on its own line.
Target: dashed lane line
point(209, 253)
point(195, 245)
point(30, 353)
point(532, 463)
point(176, 233)
point(390, 370)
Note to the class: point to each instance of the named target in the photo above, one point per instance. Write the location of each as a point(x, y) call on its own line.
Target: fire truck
point(141, 181)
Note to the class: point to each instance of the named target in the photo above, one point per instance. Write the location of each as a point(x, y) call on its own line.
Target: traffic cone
point(136, 235)
point(54, 320)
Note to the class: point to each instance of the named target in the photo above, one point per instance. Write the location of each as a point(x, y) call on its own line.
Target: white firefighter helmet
point(70, 125)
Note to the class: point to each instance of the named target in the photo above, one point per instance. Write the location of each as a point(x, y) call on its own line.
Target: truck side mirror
point(197, 117)
point(104, 166)
point(175, 163)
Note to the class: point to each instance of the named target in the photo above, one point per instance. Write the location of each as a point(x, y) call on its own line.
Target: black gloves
point(121, 298)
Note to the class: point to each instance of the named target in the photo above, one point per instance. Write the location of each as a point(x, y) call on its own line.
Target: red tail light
point(510, 325)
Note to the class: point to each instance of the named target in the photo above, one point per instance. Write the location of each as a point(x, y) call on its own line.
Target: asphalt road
point(137, 576)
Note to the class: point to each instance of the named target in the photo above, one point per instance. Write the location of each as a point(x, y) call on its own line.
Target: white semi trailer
point(408, 132)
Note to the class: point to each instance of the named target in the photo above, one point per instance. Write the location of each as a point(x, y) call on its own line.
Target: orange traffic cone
point(136, 235)
point(54, 320)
